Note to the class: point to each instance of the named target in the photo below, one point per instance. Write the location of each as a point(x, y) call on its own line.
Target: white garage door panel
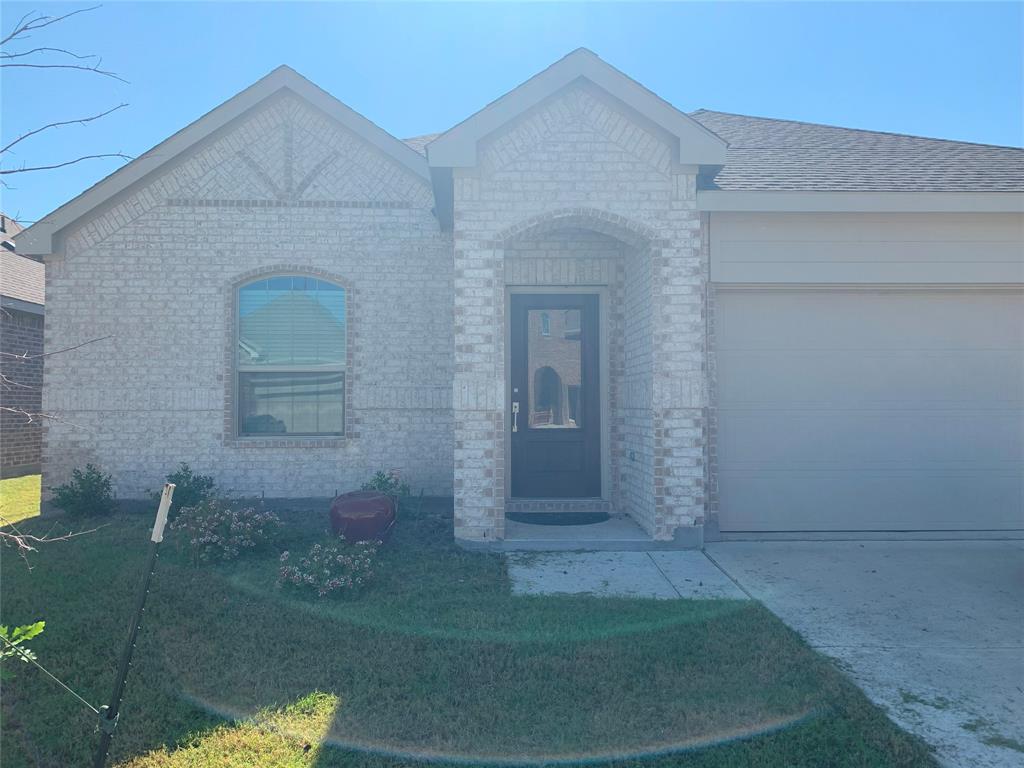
point(845, 410)
point(905, 379)
point(978, 440)
point(869, 501)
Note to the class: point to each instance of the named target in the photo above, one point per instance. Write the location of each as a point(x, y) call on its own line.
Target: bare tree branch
point(79, 121)
point(26, 356)
point(51, 57)
point(26, 24)
point(96, 69)
point(31, 417)
point(25, 169)
point(27, 543)
point(6, 55)
point(7, 381)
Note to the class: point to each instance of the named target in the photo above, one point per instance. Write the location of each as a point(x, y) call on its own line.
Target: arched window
point(290, 357)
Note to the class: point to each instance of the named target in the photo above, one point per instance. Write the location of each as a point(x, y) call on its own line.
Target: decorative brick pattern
point(21, 335)
point(247, 163)
point(157, 274)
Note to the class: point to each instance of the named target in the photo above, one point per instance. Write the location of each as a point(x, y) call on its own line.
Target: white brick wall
point(156, 271)
point(576, 192)
point(580, 160)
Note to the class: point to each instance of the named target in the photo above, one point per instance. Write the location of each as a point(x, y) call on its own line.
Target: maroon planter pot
point(363, 515)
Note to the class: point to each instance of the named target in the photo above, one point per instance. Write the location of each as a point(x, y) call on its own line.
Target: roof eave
point(21, 305)
point(859, 202)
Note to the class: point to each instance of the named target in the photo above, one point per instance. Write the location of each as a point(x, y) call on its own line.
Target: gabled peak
point(458, 147)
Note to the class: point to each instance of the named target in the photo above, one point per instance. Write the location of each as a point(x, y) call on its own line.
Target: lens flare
point(641, 751)
point(412, 626)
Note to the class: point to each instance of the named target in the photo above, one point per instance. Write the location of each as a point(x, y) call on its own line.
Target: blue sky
point(947, 70)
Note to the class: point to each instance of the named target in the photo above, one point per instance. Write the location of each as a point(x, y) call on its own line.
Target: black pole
point(108, 714)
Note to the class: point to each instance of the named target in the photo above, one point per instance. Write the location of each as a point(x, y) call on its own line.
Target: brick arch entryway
point(651, 407)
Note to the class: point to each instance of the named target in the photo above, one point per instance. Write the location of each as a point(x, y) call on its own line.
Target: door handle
point(515, 417)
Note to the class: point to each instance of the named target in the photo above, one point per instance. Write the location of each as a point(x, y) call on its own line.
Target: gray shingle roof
point(21, 278)
point(419, 143)
point(769, 154)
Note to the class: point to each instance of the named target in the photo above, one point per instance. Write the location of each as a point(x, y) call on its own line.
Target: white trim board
point(861, 202)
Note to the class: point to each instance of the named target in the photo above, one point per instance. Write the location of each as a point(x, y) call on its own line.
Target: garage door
point(853, 410)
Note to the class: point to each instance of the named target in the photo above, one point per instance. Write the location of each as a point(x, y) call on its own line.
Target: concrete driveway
point(933, 631)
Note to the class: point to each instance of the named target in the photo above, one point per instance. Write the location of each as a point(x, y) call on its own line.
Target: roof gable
point(457, 148)
point(38, 239)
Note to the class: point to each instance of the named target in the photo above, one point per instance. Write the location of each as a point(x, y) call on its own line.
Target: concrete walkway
point(933, 631)
point(663, 575)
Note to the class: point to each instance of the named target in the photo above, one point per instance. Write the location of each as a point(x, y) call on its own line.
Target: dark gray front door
point(555, 408)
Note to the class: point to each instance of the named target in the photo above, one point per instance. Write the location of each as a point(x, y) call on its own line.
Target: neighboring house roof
point(21, 279)
point(770, 154)
point(8, 226)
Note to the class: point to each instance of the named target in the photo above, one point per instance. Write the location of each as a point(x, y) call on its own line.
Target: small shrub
point(389, 482)
point(215, 529)
point(339, 566)
point(190, 489)
point(89, 493)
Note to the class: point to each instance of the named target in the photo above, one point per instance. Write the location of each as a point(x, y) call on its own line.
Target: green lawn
point(436, 660)
point(19, 498)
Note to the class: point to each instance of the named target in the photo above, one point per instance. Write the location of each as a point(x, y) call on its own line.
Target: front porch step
point(617, 534)
point(515, 506)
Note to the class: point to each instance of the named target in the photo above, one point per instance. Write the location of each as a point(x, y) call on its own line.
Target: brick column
point(679, 371)
point(479, 392)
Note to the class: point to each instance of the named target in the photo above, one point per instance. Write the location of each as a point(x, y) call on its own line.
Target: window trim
point(232, 435)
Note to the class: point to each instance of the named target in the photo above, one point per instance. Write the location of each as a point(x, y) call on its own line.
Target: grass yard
point(19, 498)
point(436, 660)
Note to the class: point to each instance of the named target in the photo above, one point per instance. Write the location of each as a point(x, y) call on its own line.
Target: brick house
point(21, 367)
point(578, 297)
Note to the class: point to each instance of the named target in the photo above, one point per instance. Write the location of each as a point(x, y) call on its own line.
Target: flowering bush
point(215, 530)
point(331, 567)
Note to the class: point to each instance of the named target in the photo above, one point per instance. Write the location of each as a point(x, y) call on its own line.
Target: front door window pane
point(554, 357)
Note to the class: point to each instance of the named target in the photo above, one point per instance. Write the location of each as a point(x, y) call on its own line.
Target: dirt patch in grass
point(437, 660)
